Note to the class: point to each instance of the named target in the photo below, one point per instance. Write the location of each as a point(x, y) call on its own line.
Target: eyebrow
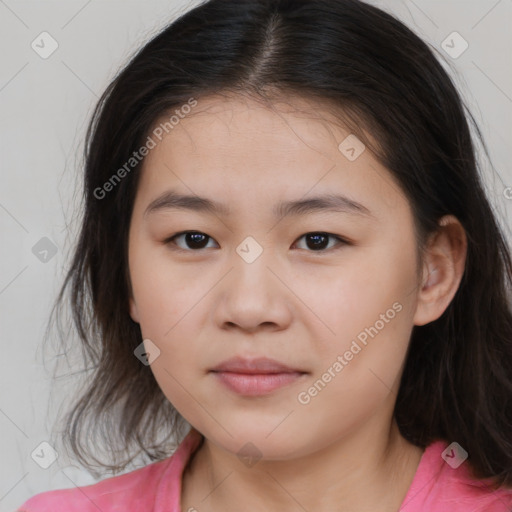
point(329, 202)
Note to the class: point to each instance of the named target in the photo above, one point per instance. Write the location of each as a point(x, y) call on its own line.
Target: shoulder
point(444, 483)
point(154, 487)
point(131, 491)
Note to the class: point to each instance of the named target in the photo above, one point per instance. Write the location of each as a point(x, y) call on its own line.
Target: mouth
point(255, 377)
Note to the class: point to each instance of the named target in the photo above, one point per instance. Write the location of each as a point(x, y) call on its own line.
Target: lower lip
point(256, 384)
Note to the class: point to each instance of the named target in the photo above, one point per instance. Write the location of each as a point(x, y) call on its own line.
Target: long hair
point(378, 76)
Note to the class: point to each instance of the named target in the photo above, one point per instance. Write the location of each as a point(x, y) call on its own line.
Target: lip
point(259, 365)
point(253, 377)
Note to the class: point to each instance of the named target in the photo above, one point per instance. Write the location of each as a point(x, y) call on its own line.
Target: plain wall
point(45, 105)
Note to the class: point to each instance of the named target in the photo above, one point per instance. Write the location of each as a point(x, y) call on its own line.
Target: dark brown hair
point(457, 381)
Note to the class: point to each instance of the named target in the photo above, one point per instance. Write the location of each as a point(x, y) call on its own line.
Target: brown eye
point(319, 241)
point(193, 240)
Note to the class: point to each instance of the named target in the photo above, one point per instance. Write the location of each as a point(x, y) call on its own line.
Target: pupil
point(317, 237)
point(195, 239)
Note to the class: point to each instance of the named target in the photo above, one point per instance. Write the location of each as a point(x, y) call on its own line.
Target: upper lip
point(258, 365)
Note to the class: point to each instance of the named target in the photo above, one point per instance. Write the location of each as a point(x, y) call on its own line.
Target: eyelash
point(170, 241)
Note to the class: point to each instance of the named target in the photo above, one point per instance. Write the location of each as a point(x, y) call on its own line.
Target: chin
point(257, 442)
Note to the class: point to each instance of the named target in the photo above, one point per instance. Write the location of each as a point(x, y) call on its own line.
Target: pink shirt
point(436, 487)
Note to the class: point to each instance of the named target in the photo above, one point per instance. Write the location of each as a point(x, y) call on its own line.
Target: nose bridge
point(251, 261)
point(250, 250)
point(251, 294)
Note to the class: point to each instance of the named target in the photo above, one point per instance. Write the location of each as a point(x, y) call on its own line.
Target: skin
point(342, 450)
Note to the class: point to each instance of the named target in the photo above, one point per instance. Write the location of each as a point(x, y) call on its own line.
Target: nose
point(254, 296)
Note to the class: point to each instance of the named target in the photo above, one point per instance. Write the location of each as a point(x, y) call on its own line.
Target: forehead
point(296, 125)
point(250, 151)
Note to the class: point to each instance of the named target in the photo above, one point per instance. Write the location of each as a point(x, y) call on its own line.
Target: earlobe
point(444, 265)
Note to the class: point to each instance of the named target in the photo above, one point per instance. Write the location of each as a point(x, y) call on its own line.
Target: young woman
point(286, 247)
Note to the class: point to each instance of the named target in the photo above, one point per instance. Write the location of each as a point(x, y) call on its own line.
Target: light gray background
point(45, 105)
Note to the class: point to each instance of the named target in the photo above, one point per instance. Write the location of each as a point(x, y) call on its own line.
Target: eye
point(195, 240)
point(318, 240)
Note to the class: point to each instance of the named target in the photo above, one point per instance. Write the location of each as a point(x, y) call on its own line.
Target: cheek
point(166, 314)
point(361, 372)
point(371, 311)
point(163, 292)
point(168, 299)
point(355, 296)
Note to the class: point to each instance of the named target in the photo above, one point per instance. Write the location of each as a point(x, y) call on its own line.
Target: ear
point(444, 264)
point(134, 313)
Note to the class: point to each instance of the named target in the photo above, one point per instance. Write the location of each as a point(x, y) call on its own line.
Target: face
point(326, 289)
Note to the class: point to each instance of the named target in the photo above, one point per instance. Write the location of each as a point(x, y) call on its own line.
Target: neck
point(362, 471)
